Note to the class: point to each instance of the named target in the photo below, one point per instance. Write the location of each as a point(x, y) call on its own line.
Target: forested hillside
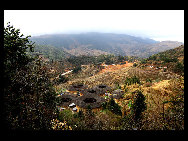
point(50, 52)
point(172, 60)
point(105, 43)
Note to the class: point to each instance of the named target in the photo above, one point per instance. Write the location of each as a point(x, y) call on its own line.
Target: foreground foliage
point(29, 98)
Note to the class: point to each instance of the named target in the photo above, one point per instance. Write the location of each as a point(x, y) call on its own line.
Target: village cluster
point(79, 97)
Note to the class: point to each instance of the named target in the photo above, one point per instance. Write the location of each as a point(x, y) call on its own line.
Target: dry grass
point(112, 68)
point(155, 96)
point(156, 92)
point(117, 75)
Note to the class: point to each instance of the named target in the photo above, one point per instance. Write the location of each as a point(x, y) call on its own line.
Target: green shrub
point(179, 68)
point(112, 106)
point(138, 105)
point(153, 57)
point(132, 80)
point(66, 115)
point(143, 61)
point(135, 64)
point(76, 69)
point(168, 59)
point(148, 80)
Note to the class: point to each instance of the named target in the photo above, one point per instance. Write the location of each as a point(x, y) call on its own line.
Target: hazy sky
point(156, 24)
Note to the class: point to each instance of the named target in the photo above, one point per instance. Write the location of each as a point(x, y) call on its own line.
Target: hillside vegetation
point(105, 43)
point(104, 92)
point(171, 60)
point(163, 93)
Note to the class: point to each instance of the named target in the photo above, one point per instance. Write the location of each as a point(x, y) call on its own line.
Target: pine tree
point(138, 105)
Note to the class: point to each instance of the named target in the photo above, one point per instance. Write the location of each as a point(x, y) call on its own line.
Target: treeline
point(96, 60)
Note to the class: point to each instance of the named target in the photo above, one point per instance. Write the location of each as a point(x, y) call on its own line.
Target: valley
point(94, 44)
point(158, 85)
point(110, 72)
point(97, 81)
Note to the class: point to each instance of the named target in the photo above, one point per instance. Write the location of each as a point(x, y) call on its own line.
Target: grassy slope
point(165, 86)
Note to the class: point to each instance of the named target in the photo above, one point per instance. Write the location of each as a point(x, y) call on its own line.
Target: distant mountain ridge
point(105, 43)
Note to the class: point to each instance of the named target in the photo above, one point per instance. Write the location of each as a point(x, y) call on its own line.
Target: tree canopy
point(29, 99)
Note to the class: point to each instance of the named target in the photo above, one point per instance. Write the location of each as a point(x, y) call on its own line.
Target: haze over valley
point(95, 44)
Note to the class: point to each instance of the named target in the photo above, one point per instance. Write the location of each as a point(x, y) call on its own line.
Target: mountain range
point(94, 44)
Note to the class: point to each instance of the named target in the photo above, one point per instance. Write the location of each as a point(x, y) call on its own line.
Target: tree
point(120, 58)
point(132, 80)
point(143, 61)
point(112, 106)
point(29, 97)
point(15, 59)
point(135, 64)
point(138, 105)
point(77, 69)
point(179, 68)
point(108, 60)
point(153, 57)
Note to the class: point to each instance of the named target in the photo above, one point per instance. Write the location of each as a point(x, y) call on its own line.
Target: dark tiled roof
point(90, 96)
point(67, 99)
point(90, 91)
point(77, 87)
point(93, 100)
point(101, 89)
